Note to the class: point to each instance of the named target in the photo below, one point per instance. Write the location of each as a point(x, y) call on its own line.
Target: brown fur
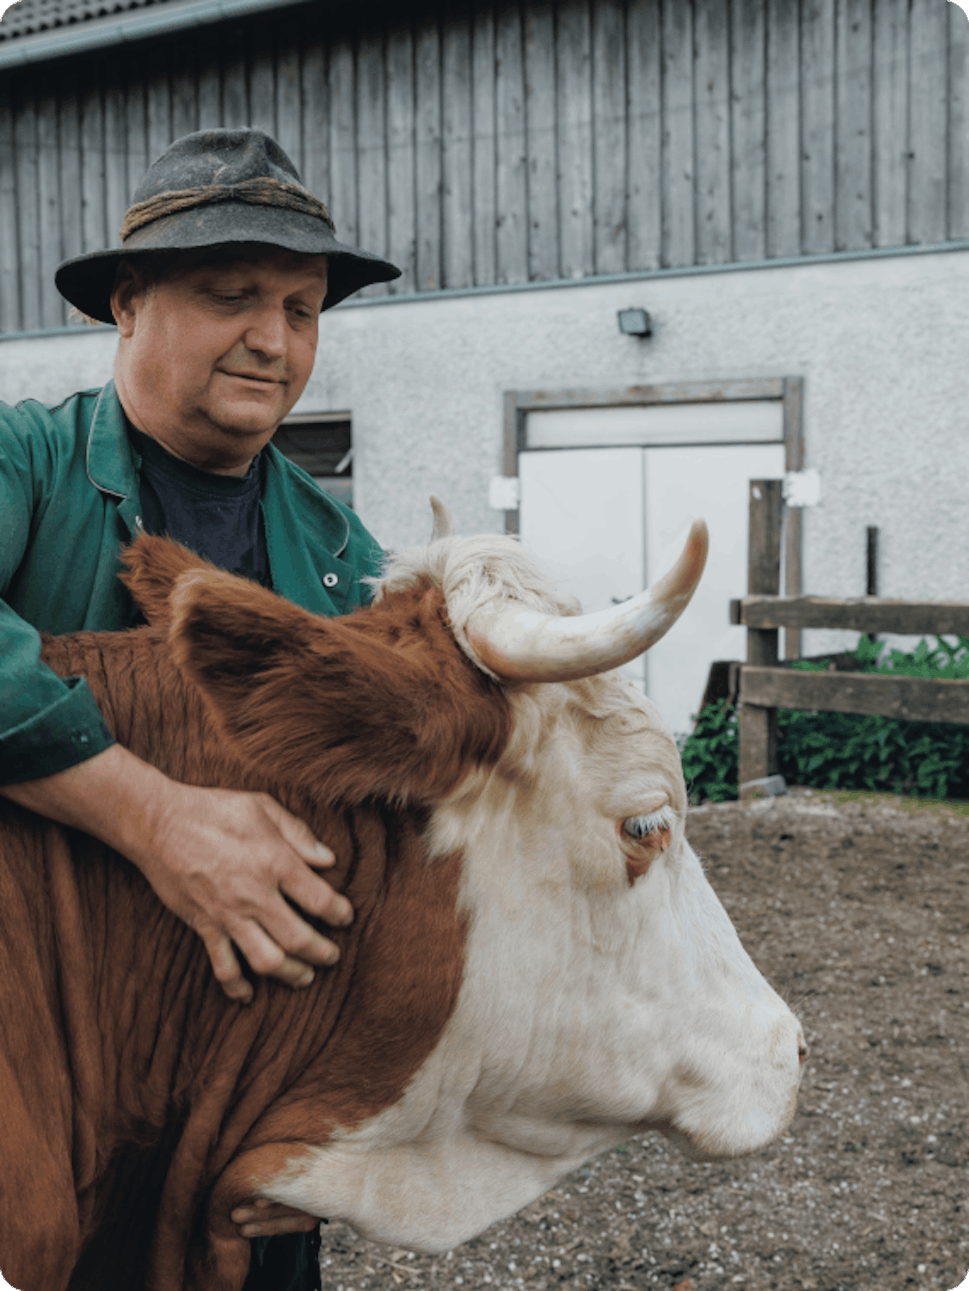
point(139, 1104)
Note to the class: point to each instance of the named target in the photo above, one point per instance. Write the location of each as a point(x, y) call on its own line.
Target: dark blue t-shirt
point(216, 516)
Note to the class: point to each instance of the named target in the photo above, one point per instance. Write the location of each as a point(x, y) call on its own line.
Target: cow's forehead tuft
point(477, 571)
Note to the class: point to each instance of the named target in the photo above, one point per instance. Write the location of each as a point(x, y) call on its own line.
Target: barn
point(651, 250)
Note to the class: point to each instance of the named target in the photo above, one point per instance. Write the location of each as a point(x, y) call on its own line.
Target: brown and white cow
point(538, 967)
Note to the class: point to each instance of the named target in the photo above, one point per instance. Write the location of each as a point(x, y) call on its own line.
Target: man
point(227, 262)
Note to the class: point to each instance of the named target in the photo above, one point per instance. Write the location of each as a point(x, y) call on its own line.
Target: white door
point(607, 522)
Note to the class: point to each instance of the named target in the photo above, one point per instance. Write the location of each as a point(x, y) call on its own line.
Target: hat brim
point(87, 281)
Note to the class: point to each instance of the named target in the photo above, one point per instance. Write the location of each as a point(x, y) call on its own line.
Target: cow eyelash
point(641, 826)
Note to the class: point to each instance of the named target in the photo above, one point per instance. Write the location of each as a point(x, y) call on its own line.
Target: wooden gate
point(764, 686)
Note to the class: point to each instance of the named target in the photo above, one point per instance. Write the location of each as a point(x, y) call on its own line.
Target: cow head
point(604, 989)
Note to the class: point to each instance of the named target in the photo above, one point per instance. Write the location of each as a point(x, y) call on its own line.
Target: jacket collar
point(110, 463)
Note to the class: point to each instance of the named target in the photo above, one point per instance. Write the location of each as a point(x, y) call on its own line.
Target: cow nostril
point(802, 1049)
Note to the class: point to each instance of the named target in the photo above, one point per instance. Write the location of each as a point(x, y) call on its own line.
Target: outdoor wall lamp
point(635, 322)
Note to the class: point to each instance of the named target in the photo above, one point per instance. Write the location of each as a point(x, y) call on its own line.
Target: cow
point(537, 968)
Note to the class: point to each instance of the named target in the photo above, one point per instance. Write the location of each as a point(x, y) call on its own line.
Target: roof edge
point(85, 37)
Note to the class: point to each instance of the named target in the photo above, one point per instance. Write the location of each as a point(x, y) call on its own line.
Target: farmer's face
point(215, 354)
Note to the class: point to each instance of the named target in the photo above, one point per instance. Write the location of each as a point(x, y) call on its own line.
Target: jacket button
point(330, 580)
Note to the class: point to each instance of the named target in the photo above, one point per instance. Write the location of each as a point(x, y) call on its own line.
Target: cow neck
point(159, 1042)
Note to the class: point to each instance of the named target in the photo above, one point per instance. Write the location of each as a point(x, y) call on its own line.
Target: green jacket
point(68, 504)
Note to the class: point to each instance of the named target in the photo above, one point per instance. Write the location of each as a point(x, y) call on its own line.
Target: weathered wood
point(115, 156)
point(401, 218)
point(457, 219)
point(512, 418)
point(855, 614)
point(427, 85)
point(289, 93)
point(573, 41)
point(49, 206)
point(784, 204)
point(10, 313)
point(543, 217)
point(617, 146)
point(912, 699)
point(159, 103)
point(958, 215)
point(511, 241)
point(927, 120)
point(608, 136)
point(673, 392)
point(484, 143)
point(316, 120)
point(136, 127)
point(748, 34)
point(890, 122)
point(372, 146)
point(25, 143)
point(678, 170)
point(94, 230)
point(644, 215)
point(343, 140)
point(757, 725)
point(262, 79)
point(235, 82)
point(712, 116)
point(764, 537)
point(853, 224)
point(793, 461)
point(185, 116)
point(210, 79)
point(70, 167)
point(817, 125)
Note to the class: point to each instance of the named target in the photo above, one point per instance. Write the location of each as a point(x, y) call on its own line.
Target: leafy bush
point(846, 750)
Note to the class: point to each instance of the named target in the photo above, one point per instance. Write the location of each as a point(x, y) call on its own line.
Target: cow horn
point(522, 645)
point(443, 520)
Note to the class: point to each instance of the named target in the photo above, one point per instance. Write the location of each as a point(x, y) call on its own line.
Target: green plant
point(846, 750)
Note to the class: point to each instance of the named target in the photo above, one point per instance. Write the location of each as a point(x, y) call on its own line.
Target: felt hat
point(215, 187)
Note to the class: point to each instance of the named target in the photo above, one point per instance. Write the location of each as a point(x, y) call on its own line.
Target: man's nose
point(267, 333)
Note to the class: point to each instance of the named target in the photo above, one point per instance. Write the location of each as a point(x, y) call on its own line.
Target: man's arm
point(223, 861)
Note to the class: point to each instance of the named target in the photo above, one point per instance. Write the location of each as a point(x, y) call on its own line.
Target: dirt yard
point(858, 912)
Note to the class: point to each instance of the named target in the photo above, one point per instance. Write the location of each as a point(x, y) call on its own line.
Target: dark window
point(324, 449)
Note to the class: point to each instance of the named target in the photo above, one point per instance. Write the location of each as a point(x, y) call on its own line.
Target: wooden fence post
point(758, 726)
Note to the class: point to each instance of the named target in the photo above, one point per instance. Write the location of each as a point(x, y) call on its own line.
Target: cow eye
point(643, 826)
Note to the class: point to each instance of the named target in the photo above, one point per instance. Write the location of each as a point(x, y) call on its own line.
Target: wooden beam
point(913, 699)
point(674, 392)
point(757, 755)
point(853, 614)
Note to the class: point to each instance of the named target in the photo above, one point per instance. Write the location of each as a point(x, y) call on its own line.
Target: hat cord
point(257, 192)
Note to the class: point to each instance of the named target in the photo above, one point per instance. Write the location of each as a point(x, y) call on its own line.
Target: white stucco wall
point(882, 345)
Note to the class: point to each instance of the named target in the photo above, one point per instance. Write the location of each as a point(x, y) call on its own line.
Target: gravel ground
point(857, 911)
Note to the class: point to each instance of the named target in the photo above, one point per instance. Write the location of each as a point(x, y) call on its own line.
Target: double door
point(606, 522)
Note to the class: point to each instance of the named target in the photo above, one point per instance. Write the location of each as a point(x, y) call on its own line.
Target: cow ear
point(226, 631)
point(152, 568)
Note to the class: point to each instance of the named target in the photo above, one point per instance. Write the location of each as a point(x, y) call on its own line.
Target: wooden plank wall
point(477, 144)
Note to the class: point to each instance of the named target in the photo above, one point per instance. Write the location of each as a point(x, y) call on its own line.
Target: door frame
point(786, 390)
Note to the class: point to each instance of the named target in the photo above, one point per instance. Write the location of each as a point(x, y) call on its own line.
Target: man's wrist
point(114, 796)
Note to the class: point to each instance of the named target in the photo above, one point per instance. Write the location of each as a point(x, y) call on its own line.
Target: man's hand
point(222, 861)
point(263, 1218)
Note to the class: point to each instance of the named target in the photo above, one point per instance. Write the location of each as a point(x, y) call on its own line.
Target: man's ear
point(128, 285)
point(152, 568)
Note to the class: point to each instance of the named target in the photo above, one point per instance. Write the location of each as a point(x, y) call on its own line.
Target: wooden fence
point(764, 686)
